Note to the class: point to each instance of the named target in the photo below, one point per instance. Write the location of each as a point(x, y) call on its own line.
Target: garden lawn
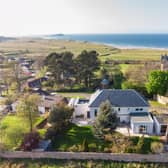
point(13, 120)
point(12, 130)
point(75, 135)
point(157, 104)
point(10, 121)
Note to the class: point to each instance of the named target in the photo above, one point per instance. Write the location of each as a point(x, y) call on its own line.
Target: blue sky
point(28, 17)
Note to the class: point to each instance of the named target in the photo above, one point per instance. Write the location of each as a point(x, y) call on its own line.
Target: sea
point(127, 41)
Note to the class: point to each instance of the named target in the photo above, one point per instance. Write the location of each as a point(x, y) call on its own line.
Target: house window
point(95, 113)
point(141, 109)
point(136, 109)
point(88, 114)
point(163, 129)
point(118, 109)
point(142, 129)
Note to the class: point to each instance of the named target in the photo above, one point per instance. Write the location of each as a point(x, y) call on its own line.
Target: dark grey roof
point(120, 98)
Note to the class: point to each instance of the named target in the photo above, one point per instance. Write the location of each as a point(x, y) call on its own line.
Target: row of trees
point(65, 67)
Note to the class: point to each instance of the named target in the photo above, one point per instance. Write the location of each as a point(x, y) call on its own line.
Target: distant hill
point(55, 35)
point(3, 38)
point(59, 34)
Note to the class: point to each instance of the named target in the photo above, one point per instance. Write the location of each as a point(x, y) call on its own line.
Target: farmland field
point(42, 47)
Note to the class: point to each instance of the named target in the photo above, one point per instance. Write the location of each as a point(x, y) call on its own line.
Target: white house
point(129, 105)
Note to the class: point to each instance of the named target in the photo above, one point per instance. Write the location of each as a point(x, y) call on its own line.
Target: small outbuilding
point(161, 123)
point(141, 123)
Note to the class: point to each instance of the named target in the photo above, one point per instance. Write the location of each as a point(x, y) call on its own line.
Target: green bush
point(156, 147)
point(73, 148)
point(107, 150)
point(140, 145)
point(92, 147)
point(130, 150)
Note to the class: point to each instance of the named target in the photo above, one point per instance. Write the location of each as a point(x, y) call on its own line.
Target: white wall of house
point(93, 111)
point(81, 109)
point(122, 112)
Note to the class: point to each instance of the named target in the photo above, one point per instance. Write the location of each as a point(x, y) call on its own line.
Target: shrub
point(156, 147)
point(31, 141)
point(73, 148)
point(92, 147)
point(130, 150)
point(140, 145)
point(108, 137)
point(84, 146)
point(107, 150)
point(50, 133)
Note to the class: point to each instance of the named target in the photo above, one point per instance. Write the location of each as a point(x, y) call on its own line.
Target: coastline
point(119, 46)
point(131, 47)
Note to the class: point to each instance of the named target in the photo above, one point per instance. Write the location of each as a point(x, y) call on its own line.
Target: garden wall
point(162, 99)
point(151, 158)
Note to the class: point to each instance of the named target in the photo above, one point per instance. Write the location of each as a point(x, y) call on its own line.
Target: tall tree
point(86, 64)
point(157, 82)
point(60, 65)
point(106, 120)
point(27, 109)
point(59, 116)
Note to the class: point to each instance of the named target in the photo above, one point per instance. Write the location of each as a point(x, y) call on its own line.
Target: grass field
point(53, 163)
point(39, 47)
point(75, 95)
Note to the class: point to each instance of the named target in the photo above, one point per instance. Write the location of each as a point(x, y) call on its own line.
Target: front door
point(88, 114)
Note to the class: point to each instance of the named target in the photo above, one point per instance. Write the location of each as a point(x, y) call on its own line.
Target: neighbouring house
point(36, 83)
point(161, 123)
point(164, 62)
point(130, 106)
point(48, 102)
point(104, 83)
point(40, 92)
